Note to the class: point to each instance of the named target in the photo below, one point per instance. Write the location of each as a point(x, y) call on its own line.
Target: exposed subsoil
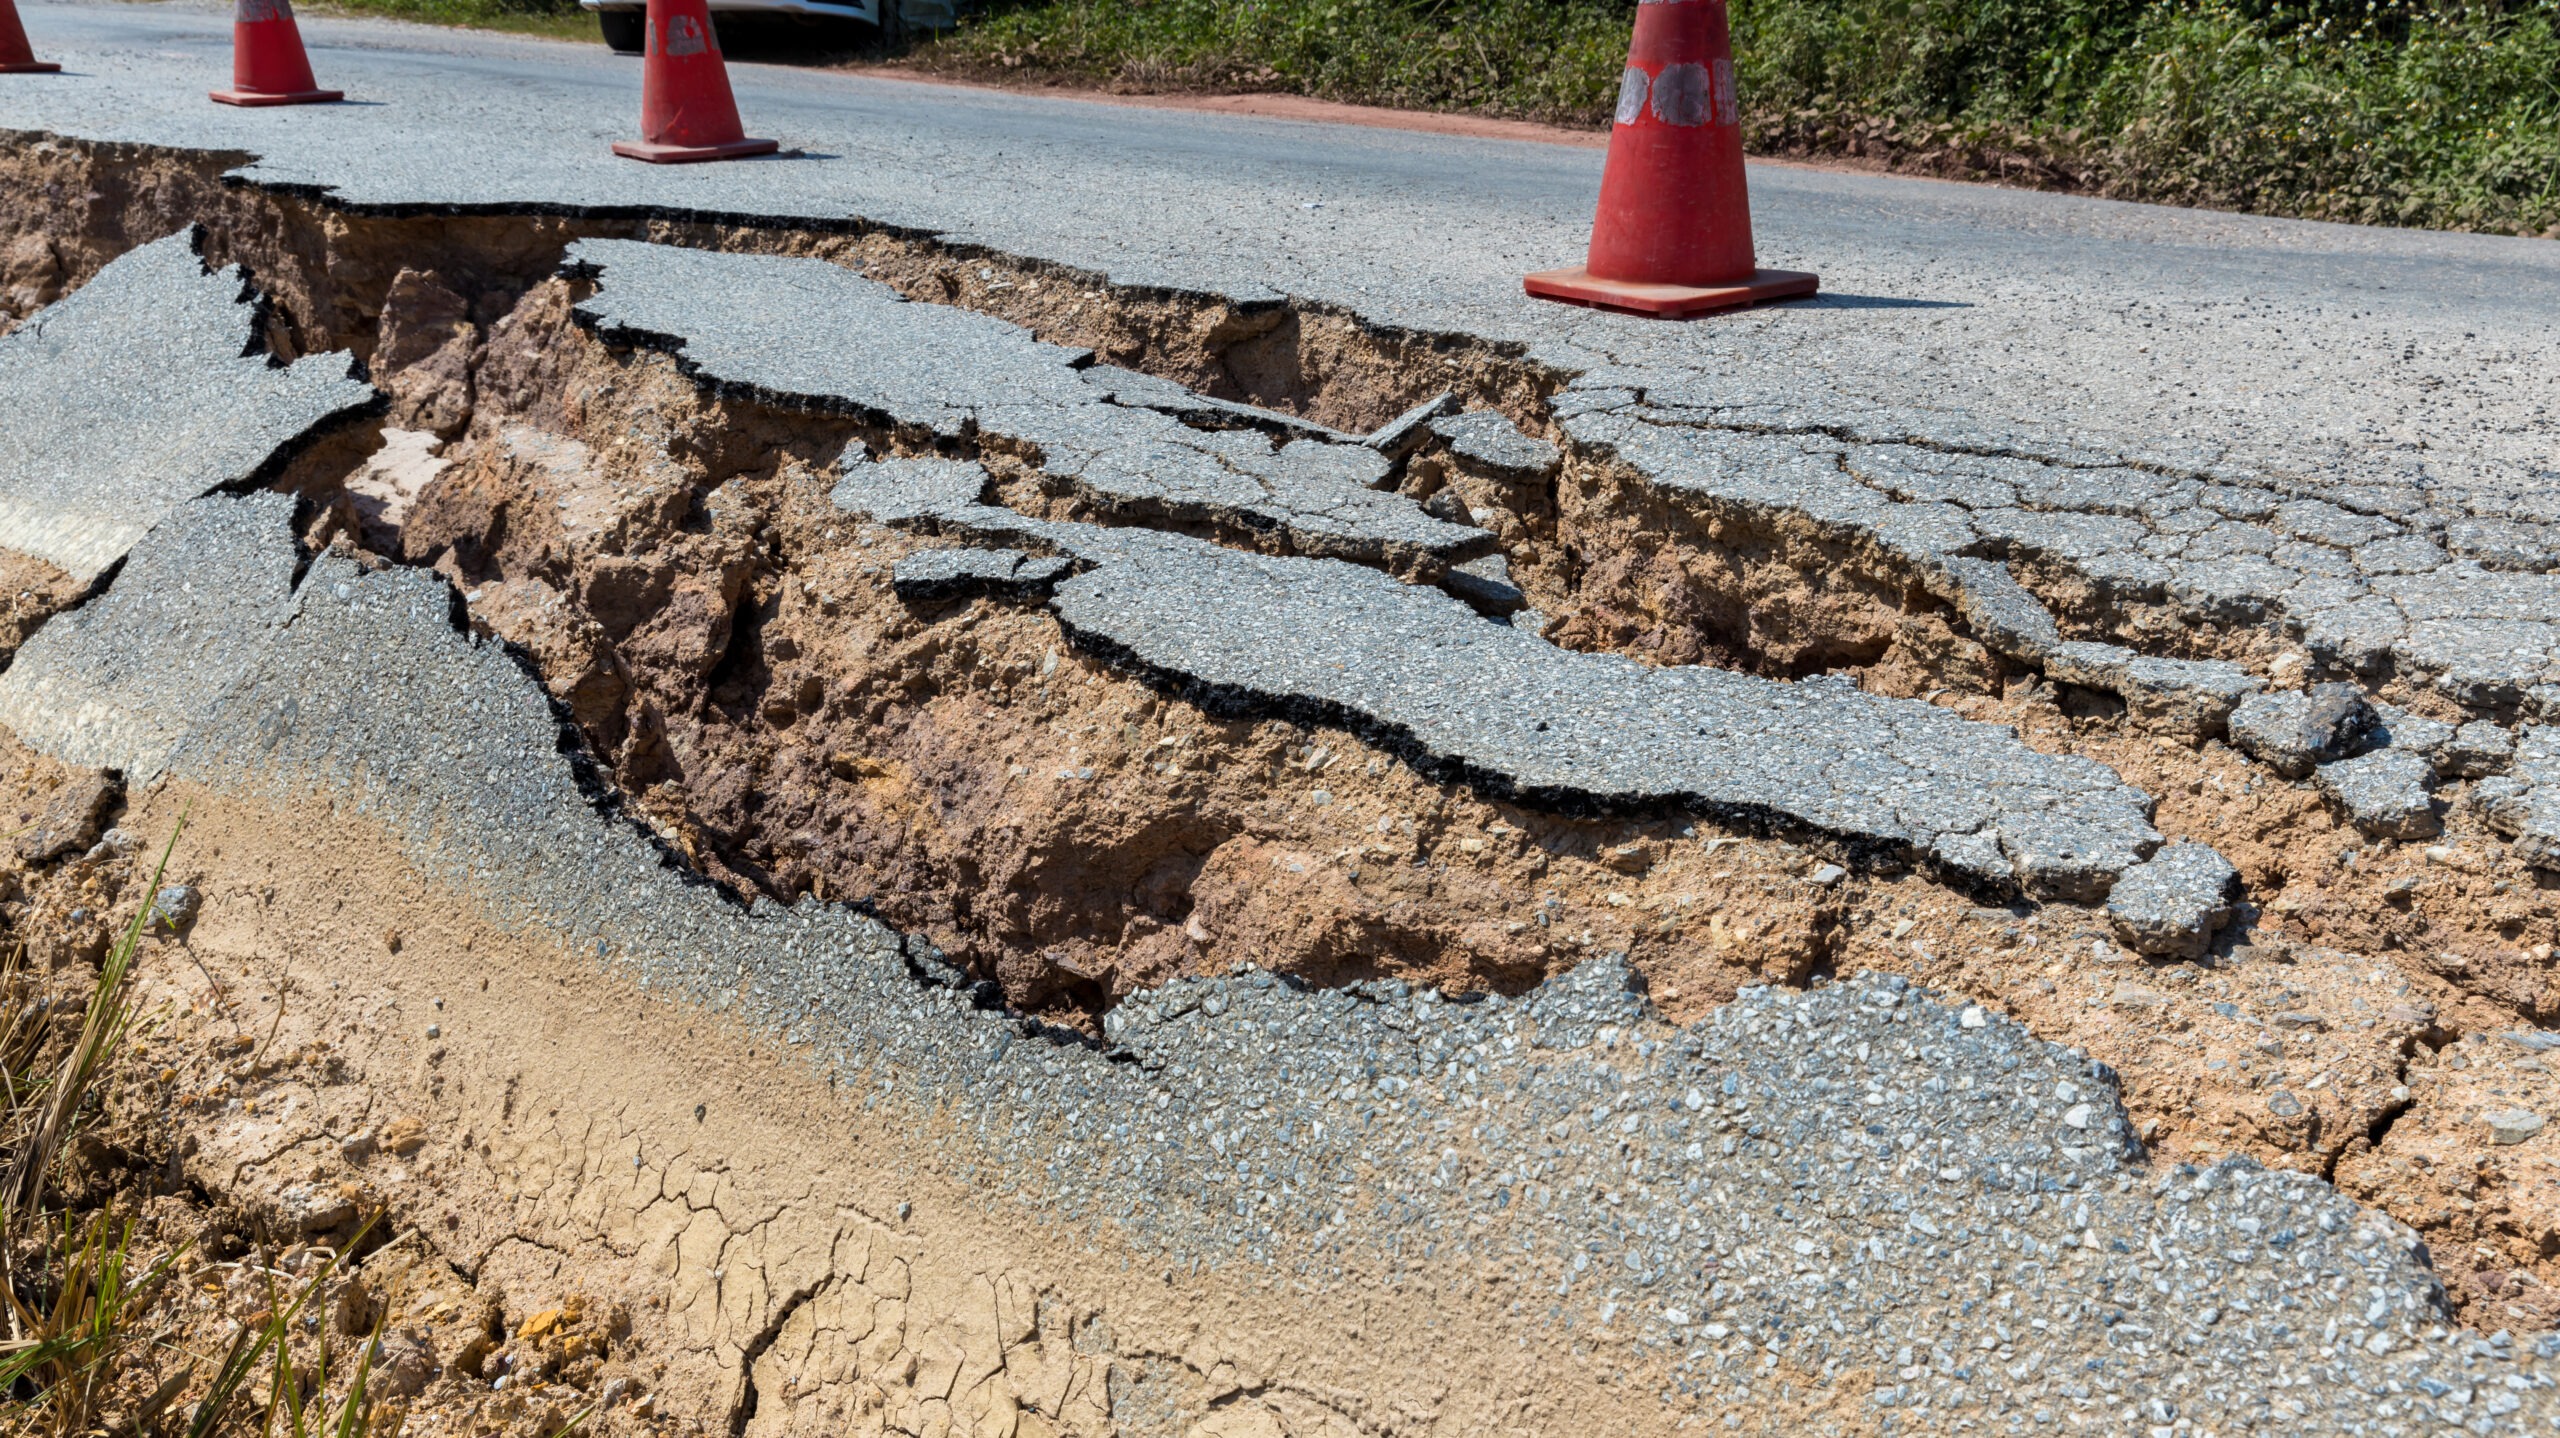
point(729, 650)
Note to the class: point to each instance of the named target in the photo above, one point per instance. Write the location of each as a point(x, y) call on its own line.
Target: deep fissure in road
point(731, 649)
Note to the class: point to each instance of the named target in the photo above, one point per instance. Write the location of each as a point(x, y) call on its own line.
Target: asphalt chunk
point(117, 683)
point(1468, 700)
point(806, 333)
point(139, 391)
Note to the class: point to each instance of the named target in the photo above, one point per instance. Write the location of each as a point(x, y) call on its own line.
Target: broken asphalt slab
point(145, 388)
point(1473, 701)
point(807, 333)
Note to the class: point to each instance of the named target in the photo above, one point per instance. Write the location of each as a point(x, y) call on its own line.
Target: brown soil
point(729, 648)
point(31, 592)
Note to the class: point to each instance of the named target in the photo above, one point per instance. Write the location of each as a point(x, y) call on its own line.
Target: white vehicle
point(829, 24)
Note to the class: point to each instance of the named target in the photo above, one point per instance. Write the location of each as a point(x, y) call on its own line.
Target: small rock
point(404, 1136)
point(309, 1208)
point(1828, 875)
point(173, 908)
point(2510, 1126)
point(1629, 858)
point(2384, 793)
point(403, 1366)
point(71, 820)
point(1447, 507)
point(2283, 1105)
point(2170, 904)
point(2292, 733)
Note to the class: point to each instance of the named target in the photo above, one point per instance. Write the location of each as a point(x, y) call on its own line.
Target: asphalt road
point(2194, 338)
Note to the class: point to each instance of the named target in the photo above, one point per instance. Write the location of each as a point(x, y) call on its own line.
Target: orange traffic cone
point(16, 58)
point(1673, 237)
point(686, 110)
point(268, 66)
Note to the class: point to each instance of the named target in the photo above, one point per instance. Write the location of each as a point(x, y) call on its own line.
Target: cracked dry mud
point(658, 532)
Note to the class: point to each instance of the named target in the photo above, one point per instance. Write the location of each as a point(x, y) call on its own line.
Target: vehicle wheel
point(625, 31)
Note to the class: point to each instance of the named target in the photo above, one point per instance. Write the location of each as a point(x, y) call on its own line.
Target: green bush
point(2438, 113)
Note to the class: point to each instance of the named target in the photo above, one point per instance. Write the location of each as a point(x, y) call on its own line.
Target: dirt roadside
point(606, 1203)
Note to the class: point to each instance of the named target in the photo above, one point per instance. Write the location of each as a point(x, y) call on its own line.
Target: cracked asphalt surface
point(1859, 1176)
point(141, 391)
point(1863, 1176)
point(2185, 338)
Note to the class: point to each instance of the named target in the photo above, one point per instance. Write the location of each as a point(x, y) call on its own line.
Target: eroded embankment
point(733, 654)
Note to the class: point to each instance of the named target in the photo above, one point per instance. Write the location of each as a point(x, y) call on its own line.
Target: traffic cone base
point(1578, 286)
point(255, 98)
point(15, 56)
point(688, 154)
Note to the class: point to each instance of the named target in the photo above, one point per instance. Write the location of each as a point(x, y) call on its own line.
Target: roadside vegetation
point(2442, 114)
point(2437, 113)
point(93, 1336)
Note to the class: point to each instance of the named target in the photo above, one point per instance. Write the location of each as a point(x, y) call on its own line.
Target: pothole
point(734, 653)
